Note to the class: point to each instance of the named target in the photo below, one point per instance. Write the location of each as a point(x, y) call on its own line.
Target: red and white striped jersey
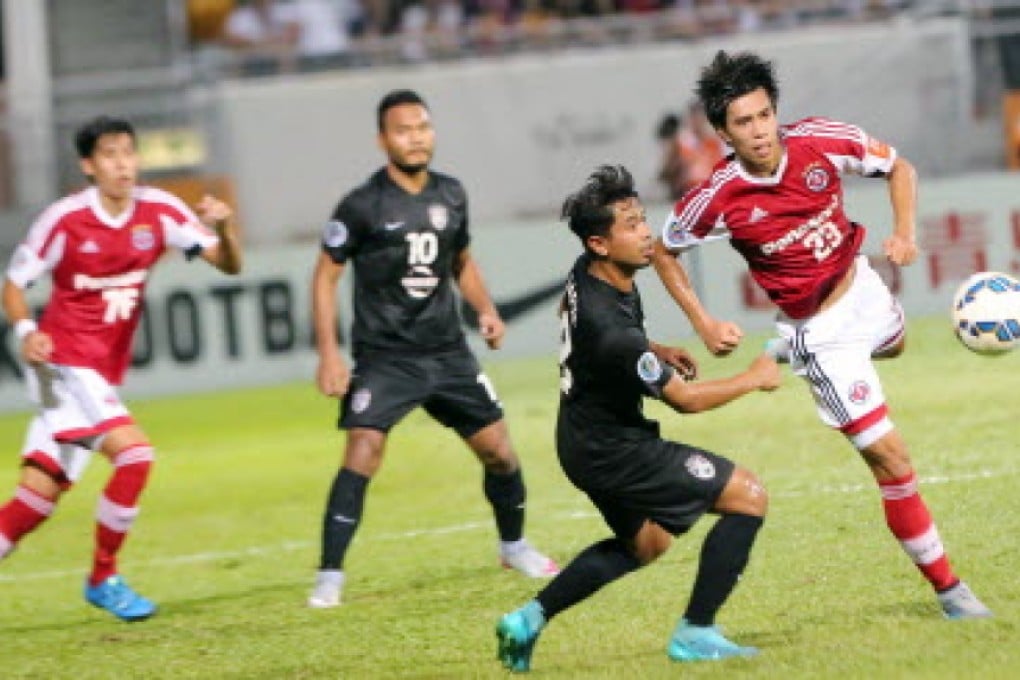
point(790, 227)
point(99, 265)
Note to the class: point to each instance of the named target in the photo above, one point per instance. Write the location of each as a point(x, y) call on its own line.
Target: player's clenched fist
point(37, 348)
point(492, 329)
point(900, 251)
point(333, 377)
point(766, 371)
point(213, 212)
point(721, 337)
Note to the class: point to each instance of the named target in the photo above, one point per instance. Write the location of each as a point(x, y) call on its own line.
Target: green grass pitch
point(227, 543)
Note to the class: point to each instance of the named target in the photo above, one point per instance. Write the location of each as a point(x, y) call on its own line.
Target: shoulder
point(161, 199)
point(817, 130)
point(60, 212)
point(360, 199)
point(449, 187)
point(724, 175)
point(63, 207)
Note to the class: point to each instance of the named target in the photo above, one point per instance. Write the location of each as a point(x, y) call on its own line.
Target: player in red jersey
point(779, 200)
point(98, 245)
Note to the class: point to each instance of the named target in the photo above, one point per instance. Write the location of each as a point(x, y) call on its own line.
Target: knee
point(744, 494)
point(364, 451)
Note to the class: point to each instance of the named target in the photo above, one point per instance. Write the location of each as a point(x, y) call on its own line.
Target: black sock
point(597, 565)
point(506, 493)
point(343, 513)
point(724, 555)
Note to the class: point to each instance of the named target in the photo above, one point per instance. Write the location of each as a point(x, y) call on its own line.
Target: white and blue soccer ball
point(986, 313)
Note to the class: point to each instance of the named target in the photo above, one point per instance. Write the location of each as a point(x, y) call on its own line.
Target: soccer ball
point(986, 313)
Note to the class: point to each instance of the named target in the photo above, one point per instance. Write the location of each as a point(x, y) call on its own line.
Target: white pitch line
point(292, 546)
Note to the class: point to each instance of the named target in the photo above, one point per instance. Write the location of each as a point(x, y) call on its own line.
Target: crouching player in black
point(647, 489)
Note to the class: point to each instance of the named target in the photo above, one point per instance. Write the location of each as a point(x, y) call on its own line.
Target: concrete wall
point(520, 132)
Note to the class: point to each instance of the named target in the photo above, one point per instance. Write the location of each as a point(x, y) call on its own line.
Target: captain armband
point(653, 373)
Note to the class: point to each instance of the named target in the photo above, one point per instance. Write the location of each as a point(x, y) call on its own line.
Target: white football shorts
point(832, 351)
point(77, 406)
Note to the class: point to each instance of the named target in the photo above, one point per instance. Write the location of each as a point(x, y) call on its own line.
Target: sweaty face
point(113, 165)
point(629, 242)
point(407, 137)
point(752, 130)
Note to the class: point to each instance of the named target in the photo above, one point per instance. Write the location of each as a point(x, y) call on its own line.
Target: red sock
point(118, 507)
point(909, 520)
point(22, 514)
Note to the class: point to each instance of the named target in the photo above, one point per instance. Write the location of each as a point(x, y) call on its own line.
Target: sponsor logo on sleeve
point(335, 234)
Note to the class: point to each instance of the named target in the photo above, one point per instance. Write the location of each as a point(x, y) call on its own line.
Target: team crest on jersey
point(648, 367)
point(334, 234)
point(439, 216)
point(360, 400)
point(699, 466)
point(816, 177)
point(142, 237)
point(859, 392)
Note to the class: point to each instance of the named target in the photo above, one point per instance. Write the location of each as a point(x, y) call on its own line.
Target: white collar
point(772, 180)
point(92, 196)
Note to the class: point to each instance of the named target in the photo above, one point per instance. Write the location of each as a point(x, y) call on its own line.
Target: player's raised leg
point(598, 565)
point(344, 507)
point(504, 488)
point(724, 555)
point(910, 521)
point(131, 456)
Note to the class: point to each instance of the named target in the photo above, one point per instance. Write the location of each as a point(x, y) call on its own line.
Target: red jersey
point(99, 265)
point(790, 227)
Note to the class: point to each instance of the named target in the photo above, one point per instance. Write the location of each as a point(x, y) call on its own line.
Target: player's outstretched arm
point(720, 337)
point(694, 397)
point(332, 375)
point(36, 346)
point(472, 287)
point(901, 247)
point(218, 216)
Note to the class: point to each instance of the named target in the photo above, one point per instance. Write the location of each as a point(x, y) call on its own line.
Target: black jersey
point(606, 366)
point(403, 247)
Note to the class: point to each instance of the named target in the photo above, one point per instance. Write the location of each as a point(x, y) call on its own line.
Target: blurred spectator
point(324, 39)
point(671, 169)
point(265, 33)
point(700, 147)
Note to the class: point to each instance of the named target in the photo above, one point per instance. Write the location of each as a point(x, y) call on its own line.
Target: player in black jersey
point(406, 232)
point(646, 488)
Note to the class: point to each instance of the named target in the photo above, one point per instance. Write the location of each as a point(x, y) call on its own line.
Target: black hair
point(89, 133)
point(589, 210)
point(396, 98)
point(730, 77)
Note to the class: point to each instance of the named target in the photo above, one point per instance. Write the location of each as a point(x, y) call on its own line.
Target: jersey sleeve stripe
point(43, 230)
point(697, 205)
point(156, 195)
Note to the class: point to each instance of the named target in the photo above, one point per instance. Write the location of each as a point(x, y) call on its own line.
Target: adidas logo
point(89, 246)
point(758, 214)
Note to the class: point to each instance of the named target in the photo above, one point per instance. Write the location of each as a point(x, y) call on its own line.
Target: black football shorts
point(669, 483)
point(450, 386)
